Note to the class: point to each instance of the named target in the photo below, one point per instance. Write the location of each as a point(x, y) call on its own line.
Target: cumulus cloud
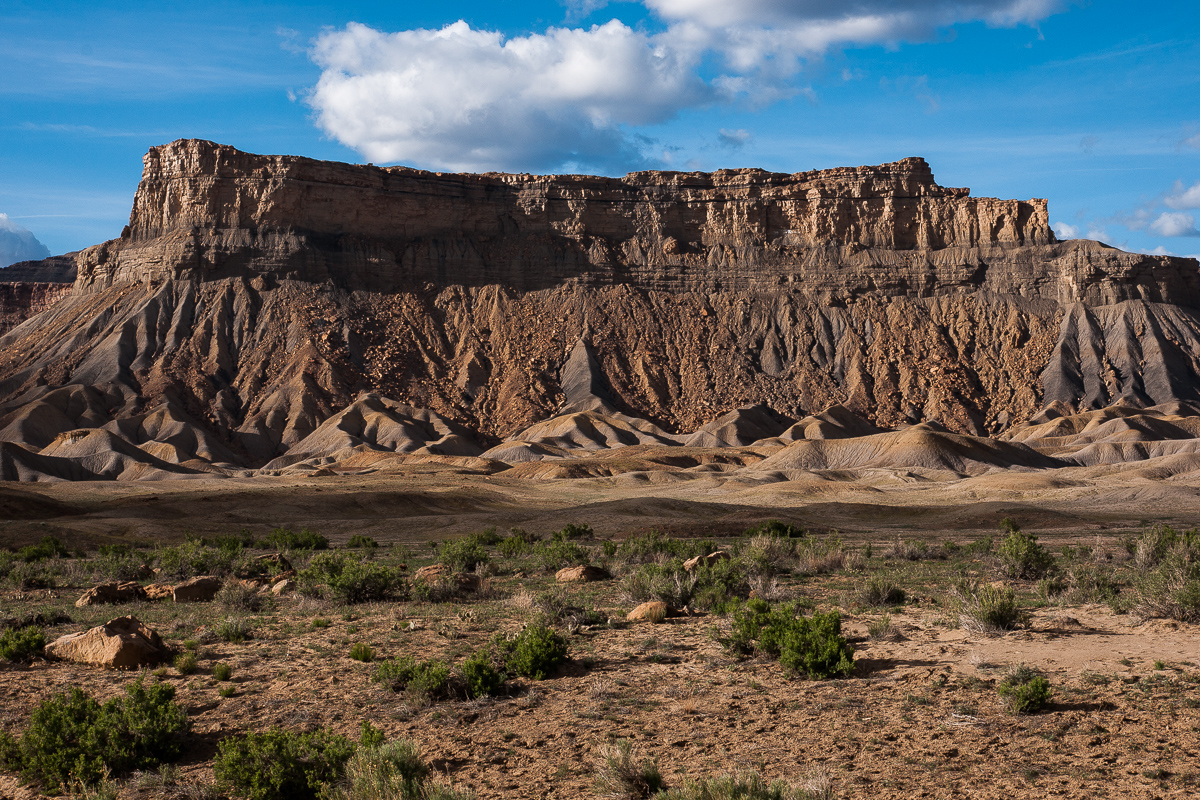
point(1064, 230)
point(466, 99)
point(1184, 198)
point(18, 244)
point(733, 139)
point(1175, 223)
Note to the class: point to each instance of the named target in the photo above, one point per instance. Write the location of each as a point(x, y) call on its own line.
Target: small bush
point(391, 771)
point(620, 776)
point(22, 644)
point(1021, 556)
point(360, 542)
point(185, 663)
point(774, 527)
point(463, 555)
point(193, 558)
point(234, 630)
point(481, 677)
point(765, 554)
point(1155, 543)
point(237, 597)
point(709, 586)
point(429, 679)
point(884, 630)
point(987, 608)
point(879, 590)
point(572, 532)
point(1087, 583)
point(73, 738)
point(348, 579)
point(222, 671)
point(810, 646)
point(49, 547)
point(288, 539)
point(1171, 590)
point(281, 765)
point(747, 786)
point(362, 652)
point(553, 556)
point(1025, 691)
point(488, 537)
point(512, 547)
point(535, 652)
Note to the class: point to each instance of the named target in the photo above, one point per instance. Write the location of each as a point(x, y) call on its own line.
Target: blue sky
point(1092, 105)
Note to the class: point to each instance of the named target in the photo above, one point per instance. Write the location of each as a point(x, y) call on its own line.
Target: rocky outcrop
point(105, 593)
point(200, 589)
point(121, 643)
point(283, 312)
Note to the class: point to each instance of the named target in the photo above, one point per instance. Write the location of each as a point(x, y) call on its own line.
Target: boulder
point(431, 573)
point(105, 593)
point(582, 574)
point(197, 590)
point(710, 559)
point(121, 643)
point(283, 587)
point(654, 611)
point(159, 591)
point(467, 582)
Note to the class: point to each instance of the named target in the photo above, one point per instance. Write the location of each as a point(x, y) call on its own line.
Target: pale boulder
point(121, 643)
point(582, 574)
point(197, 590)
point(105, 593)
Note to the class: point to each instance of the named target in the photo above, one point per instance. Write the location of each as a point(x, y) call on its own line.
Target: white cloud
point(1184, 198)
point(1175, 223)
point(466, 99)
point(1065, 231)
point(18, 244)
point(1193, 141)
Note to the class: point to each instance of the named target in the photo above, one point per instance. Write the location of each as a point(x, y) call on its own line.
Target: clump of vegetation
point(72, 737)
point(987, 608)
point(884, 630)
point(809, 646)
point(288, 539)
point(572, 532)
point(185, 663)
point(347, 579)
point(481, 676)
point(390, 771)
point(879, 590)
point(360, 542)
point(237, 597)
point(49, 547)
point(1171, 590)
point(559, 553)
point(1025, 691)
point(281, 765)
point(535, 652)
point(619, 775)
point(708, 586)
point(362, 652)
point(22, 644)
point(1157, 542)
point(1021, 556)
point(424, 680)
point(463, 555)
point(222, 671)
point(234, 630)
point(745, 786)
point(193, 557)
point(778, 528)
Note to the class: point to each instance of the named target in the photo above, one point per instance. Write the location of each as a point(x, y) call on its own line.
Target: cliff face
point(258, 295)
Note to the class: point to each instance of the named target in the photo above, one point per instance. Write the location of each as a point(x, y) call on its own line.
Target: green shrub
point(281, 765)
point(987, 608)
point(481, 677)
point(512, 547)
point(362, 652)
point(193, 558)
point(709, 586)
point(429, 679)
point(879, 590)
point(49, 547)
point(288, 539)
point(765, 554)
point(1021, 556)
point(349, 580)
point(120, 563)
point(488, 537)
point(654, 546)
point(71, 737)
point(222, 671)
point(360, 542)
point(1171, 590)
point(1087, 583)
point(553, 556)
point(391, 771)
point(573, 531)
point(185, 663)
point(236, 596)
point(774, 527)
point(462, 555)
point(1155, 543)
point(234, 630)
point(22, 644)
point(621, 776)
point(535, 652)
point(810, 646)
point(1025, 691)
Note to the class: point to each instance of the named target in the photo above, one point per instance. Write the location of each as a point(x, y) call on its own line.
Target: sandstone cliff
point(259, 296)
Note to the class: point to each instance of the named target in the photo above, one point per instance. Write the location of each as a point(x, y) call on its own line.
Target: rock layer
point(278, 309)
